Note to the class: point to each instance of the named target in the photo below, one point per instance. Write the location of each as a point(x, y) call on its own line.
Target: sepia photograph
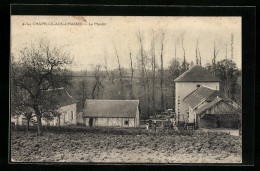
point(125, 89)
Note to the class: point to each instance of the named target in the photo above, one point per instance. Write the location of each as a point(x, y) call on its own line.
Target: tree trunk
point(28, 124)
point(59, 120)
point(39, 125)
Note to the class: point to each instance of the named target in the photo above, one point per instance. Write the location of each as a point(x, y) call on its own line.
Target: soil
point(120, 147)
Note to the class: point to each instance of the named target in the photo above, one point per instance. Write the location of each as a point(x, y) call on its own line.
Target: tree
point(143, 61)
point(162, 70)
point(41, 67)
point(153, 42)
point(82, 92)
point(215, 54)
point(131, 77)
point(175, 70)
point(184, 63)
point(197, 52)
point(119, 69)
point(98, 81)
point(57, 113)
point(231, 45)
point(110, 75)
point(227, 71)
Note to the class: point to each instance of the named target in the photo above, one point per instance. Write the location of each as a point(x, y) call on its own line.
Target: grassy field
point(125, 146)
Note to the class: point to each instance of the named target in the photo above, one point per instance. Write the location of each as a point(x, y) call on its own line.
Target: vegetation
point(39, 68)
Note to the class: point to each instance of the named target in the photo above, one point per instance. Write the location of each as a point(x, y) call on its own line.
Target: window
point(72, 117)
point(65, 116)
point(126, 122)
point(198, 85)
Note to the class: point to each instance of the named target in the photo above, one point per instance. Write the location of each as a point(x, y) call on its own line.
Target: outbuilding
point(112, 113)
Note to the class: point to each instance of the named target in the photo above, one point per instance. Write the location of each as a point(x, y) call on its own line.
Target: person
point(154, 126)
point(147, 126)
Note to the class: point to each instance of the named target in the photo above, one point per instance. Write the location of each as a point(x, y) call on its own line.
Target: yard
point(125, 145)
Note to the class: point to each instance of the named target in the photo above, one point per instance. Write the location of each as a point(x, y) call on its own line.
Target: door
point(218, 124)
point(91, 122)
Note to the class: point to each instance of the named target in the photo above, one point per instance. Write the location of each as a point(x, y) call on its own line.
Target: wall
point(65, 117)
point(183, 89)
point(65, 109)
point(207, 123)
point(112, 122)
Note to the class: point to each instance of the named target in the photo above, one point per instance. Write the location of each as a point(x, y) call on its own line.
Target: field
point(125, 146)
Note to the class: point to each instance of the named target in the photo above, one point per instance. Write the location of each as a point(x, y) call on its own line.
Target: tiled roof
point(233, 107)
point(209, 105)
point(110, 108)
point(197, 74)
point(198, 96)
point(62, 96)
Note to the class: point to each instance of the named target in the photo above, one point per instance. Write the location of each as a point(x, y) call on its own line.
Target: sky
point(91, 38)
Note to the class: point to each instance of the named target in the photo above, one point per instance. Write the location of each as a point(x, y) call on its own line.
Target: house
point(67, 109)
point(198, 99)
point(112, 113)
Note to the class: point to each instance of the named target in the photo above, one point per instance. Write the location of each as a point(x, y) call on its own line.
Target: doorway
point(91, 122)
point(218, 124)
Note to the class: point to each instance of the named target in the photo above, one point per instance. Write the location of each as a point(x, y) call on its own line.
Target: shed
point(211, 108)
point(114, 113)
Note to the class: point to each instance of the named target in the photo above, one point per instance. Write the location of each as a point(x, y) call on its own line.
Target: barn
point(112, 113)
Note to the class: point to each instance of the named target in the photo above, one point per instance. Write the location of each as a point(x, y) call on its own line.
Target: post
point(198, 122)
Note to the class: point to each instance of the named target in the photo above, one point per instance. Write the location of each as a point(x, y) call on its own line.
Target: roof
point(204, 94)
point(209, 105)
point(110, 108)
point(197, 74)
point(233, 105)
point(198, 96)
point(62, 96)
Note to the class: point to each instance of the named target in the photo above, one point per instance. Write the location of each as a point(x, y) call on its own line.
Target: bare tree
point(82, 92)
point(110, 76)
point(119, 69)
point(182, 46)
point(215, 53)
point(98, 82)
point(162, 69)
point(132, 75)
point(197, 52)
point(153, 41)
point(199, 57)
point(231, 45)
point(143, 61)
point(41, 67)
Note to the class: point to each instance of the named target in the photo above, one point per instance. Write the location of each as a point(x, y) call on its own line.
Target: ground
point(127, 146)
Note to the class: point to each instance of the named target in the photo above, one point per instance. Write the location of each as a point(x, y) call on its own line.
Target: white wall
point(182, 89)
point(112, 122)
point(66, 117)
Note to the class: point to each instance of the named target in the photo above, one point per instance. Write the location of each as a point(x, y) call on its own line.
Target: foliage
point(227, 71)
point(39, 68)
